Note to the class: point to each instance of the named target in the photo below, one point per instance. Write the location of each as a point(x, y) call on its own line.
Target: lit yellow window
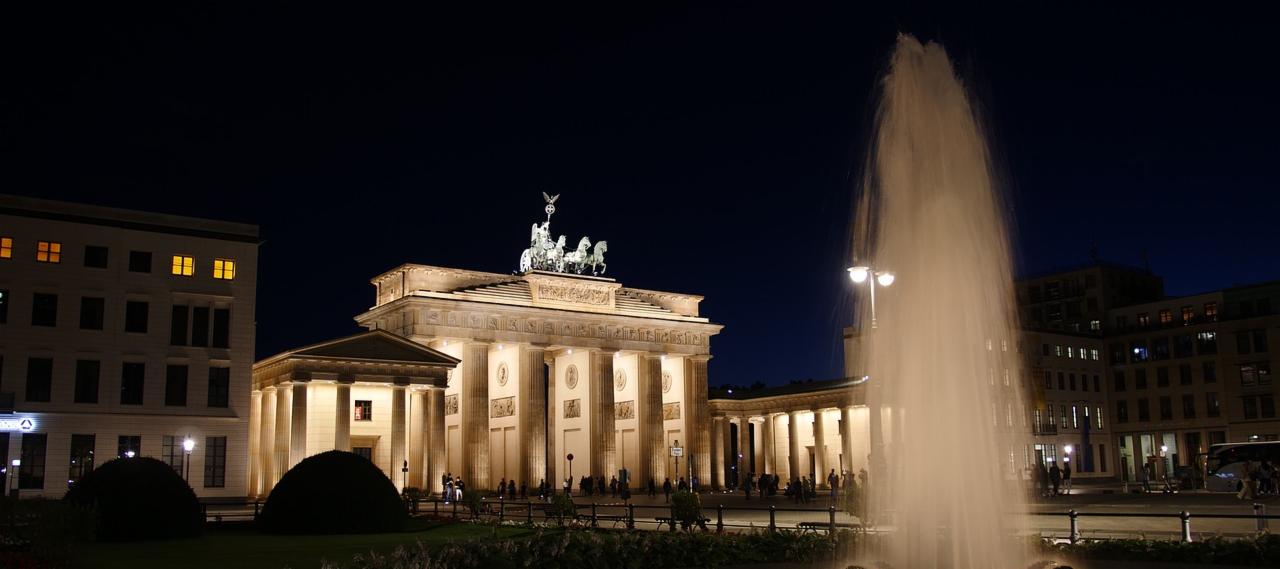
point(48, 252)
point(224, 269)
point(6, 247)
point(183, 265)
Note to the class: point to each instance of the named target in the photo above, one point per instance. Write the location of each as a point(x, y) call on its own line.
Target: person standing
point(613, 487)
point(746, 486)
point(1055, 478)
point(653, 488)
point(1066, 476)
point(1144, 475)
point(666, 490)
point(833, 482)
point(568, 486)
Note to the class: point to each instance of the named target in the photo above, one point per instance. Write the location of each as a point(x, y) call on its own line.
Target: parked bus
point(1225, 463)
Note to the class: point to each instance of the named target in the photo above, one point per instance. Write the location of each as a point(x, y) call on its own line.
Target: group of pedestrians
point(453, 487)
point(1260, 478)
point(1052, 480)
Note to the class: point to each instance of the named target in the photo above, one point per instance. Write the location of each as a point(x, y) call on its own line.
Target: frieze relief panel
point(572, 408)
point(670, 411)
point(451, 404)
point(624, 410)
point(502, 407)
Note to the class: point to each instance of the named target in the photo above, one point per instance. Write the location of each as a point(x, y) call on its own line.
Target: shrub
point(333, 492)
point(138, 498)
point(687, 509)
point(41, 533)
point(562, 507)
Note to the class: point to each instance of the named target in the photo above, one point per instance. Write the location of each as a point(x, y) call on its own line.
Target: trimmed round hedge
point(333, 492)
point(138, 498)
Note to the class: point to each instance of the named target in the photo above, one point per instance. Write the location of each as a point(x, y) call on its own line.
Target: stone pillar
point(267, 441)
point(342, 416)
point(417, 438)
point(846, 440)
point(255, 430)
point(532, 415)
point(284, 404)
point(767, 445)
point(653, 456)
point(698, 444)
point(744, 449)
point(604, 441)
point(819, 449)
point(718, 452)
point(553, 436)
point(793, 444)
point(298, 424)
point(474, 408)
point(436, 458)
point(398, 434)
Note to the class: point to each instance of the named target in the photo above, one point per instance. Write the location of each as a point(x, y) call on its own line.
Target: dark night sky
point(715, 148)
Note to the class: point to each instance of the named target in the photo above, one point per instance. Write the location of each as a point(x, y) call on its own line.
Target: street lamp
point(863, 274)
point(188, 445)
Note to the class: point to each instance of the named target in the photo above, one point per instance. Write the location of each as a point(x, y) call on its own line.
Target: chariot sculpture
point(544, 254)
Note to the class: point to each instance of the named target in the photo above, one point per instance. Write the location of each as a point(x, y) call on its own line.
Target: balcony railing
point(1044, 429)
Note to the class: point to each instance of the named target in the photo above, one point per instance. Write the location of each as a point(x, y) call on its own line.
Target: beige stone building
point(122, 334)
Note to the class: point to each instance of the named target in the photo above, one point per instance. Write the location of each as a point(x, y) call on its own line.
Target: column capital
point(704, 358)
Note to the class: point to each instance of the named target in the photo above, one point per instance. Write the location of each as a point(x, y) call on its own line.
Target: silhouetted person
point(1055, 478)
point(666, 490)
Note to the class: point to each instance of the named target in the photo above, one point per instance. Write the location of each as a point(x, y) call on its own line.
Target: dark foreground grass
point(243, 547)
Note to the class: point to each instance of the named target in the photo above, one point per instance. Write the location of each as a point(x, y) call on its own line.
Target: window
point(1072, 382)
point(1210, 372)
point(1207, 343)
point(1162, 376)
point(1140, 378)
point(1166, 317)
point(1188, 315)
point(215, 462)
point(1097, 383)
point(1082, 353)
point(1049, 413)
point(44, 309)
point(364, 411)
point(1250, 407)
point(219, 386)
point(221, 327)
point(184, 266)
point(178, 325)
point(39, 379)
point(363, 452)
point(4, 307)
point(1137, 352)
point(6, 247)
point(1267, 404)
point(1184, 374)
point(48, 252)
point(1048, 380)
point(1166, 408)
point(1057, 350)
point(1093, 354)
point(139, 261)
point(1075, 418)
point(1071, 353)
point(31, 472)
point(1102, 458)
point(1211, 311)
point(1259, 341)
point(1242, 343)
point(1098, 416)
point(175, 386)
point(1160, 348)
point(171, 452)
point(1045, 349)
point(1188, 406)
point(1117, 353)
point(87, 372)
point(1144, 320)
point(135, 316)
point(95, 256)
point(1144, 410)
point(1062, 382)
point(1122, 322)
point(1122, 411)
point(1095, 325)
point(1183, 346)
point(131, 381)
point(200, 326)
point(128, 446)
point(1212, 408)
point(1117, 380)
point(224, 269)
point(91, 312)
point(81, 457)
point(1248, 375)
point(1064, 416)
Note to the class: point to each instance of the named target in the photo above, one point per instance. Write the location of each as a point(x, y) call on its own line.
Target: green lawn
point(244, 548)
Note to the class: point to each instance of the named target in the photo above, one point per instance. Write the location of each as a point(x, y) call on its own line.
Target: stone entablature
point(317, 369)
point(825, 399)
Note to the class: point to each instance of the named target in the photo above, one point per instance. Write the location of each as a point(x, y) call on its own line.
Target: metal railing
point(1259, 515)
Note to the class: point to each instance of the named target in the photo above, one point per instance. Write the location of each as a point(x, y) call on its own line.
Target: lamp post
point(13, 477)
point(860, 274)
point(188, 445)
point(864, 274)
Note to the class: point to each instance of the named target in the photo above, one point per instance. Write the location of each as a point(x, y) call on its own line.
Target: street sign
point(677, 451)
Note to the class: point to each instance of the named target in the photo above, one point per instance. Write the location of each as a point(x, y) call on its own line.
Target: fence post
point(1075, 525)
point(631, 516)
point(502, 510)
point(773, 511)
point(256, 503)
point(437, 508)
point(530, 511)
point(1186, 526)
point(720, 518)
point(831, 511)
point(1260, 510)
point(455, 509)
point(593, 515)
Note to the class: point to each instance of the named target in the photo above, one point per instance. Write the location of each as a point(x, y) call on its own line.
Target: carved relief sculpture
point(502, 374)
point(451, 404)
point(624, 410)
point(572, 408)
point(670, 411)
point(502, 407)
point(571, 376)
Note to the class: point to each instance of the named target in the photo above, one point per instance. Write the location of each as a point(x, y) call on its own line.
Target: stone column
point(604, 441)
point(342, 416)
point(846, 440)
point(695, 406)
point(284, 404)
point(435, 439)
point(255, 430)
point(398, 433)
point(474, 407)
point(267, 441)
point(417, 438)
point(819, 449)
point(532, 415)
point(767, 445)
point(744, 449)
point(653, 457)
point(298, 424)
point(718, 453)
point(793, 444)
point(553, 413)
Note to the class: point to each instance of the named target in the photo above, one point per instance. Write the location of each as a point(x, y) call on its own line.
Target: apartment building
point(1069, 421)
point(123, 334)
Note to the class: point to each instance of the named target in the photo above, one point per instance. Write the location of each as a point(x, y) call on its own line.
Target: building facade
point(122, 334)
